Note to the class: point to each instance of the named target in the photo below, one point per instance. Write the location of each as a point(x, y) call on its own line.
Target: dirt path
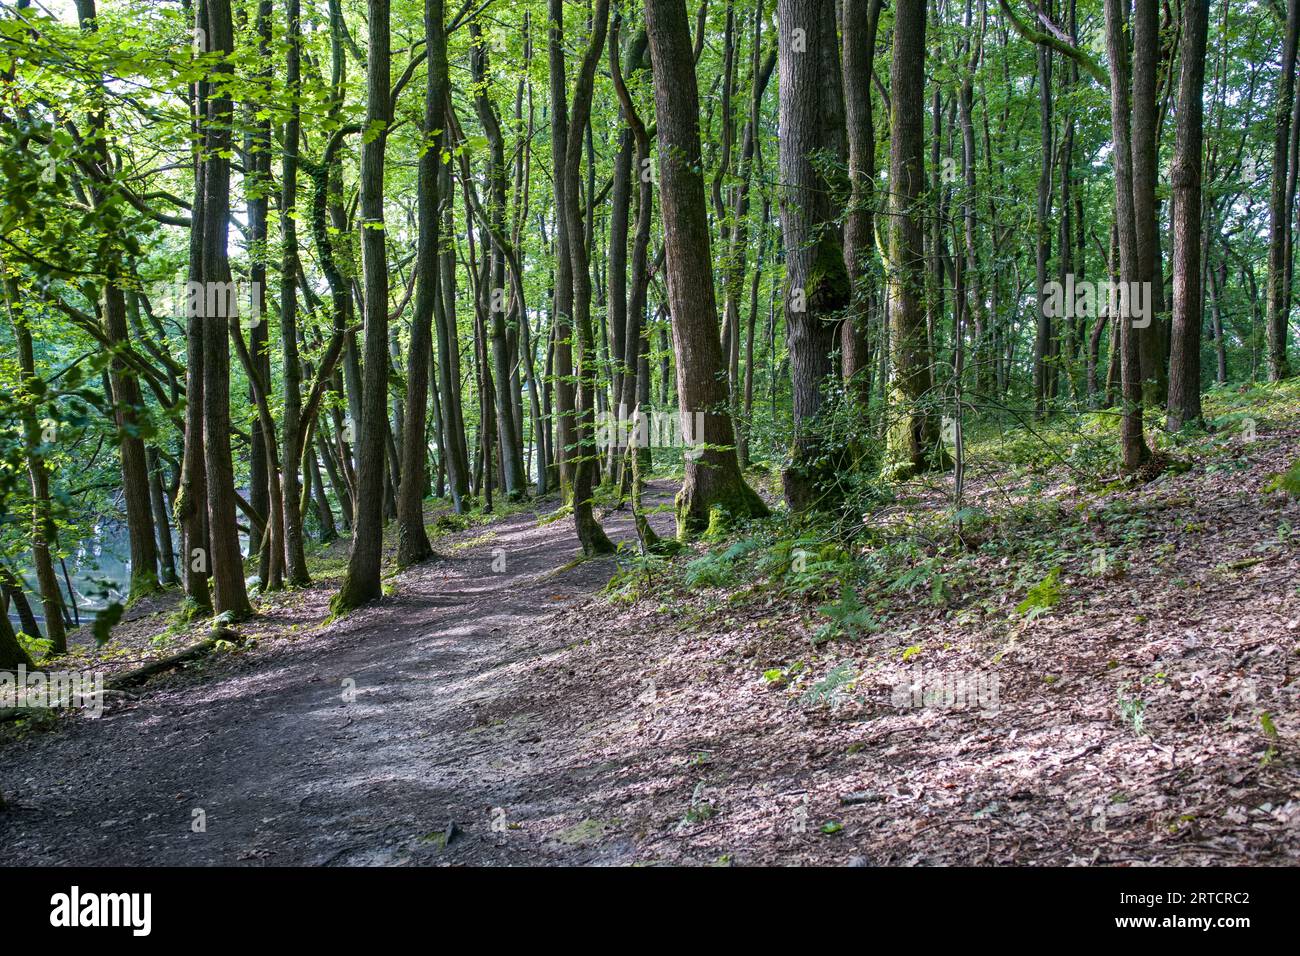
point(282, 770)
point(550, 725)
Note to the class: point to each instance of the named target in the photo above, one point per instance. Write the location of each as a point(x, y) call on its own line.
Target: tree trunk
point(713, 488)
point(914, 427)
point(1146, 59)
point(127, 400)
point(1043, 232)
point(1185, 343)
point(818, 287)
point(1133, 446)
point(634, 393)
point(590, 534)
point(561, 316)
point(861, 20)
point(362, 583)
point(43, 527)
point(225, 560)
point(1277, 321)
point(511, 452)
point(412, 539)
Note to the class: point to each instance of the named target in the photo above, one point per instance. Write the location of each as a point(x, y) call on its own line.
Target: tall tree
point(1277, 320)
point(713, 486)
point(913, 431)
point(1186, 175)
point(1133, 446)
point(294, 437)
point(412, 539)
point(43, 527)
point(127, 400)
point(229, 595)
point(818, 287)
point(590, 534)
point(511, 450)
point(362, 583)
point(562, 306)
point(861, 20)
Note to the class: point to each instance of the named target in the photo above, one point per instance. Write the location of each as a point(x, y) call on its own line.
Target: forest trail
point(285, 772)
point(683, 719)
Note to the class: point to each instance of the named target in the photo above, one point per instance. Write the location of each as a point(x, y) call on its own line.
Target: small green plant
point(1288, 481)
point(717, 569)
point(700, 809)
point(1042, 597)
point(841, 677)
point(1132, 710)
point(636, 571)
point(1270, 733)
point(849, 618)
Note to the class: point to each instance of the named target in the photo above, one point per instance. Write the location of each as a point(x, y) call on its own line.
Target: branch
point(1091, 66)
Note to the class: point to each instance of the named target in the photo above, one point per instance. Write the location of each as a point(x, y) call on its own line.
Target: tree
point(126, 388)
point(1279, 224)
point(1186, 175)
point(861, 20)
point(913, 427)
point(412, 540)
point(590, 534)
point(1133, 446)
point(818, 287)
point(362, 583)
point(713, 487)
point(229, 595)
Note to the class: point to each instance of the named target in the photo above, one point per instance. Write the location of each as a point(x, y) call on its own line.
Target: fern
point(1288, 481)
point(841, 676)
point(849, 618)
point(1043, 596)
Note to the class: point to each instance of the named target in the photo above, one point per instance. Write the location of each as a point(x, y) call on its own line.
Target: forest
point(692, 432)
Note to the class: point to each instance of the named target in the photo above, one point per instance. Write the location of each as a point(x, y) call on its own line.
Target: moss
point(735, 501)
point(829, 288)
point(144, 583)
point(718, 524)
point(584, 833)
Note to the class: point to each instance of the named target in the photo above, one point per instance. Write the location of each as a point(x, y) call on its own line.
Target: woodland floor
point(551, 724)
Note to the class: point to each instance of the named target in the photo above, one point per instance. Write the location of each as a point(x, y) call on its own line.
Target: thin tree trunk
point(225, 559)
point(412, 539)
point(42, 527)
point(1133, 446)
point(362, 583)
point(1276, 322)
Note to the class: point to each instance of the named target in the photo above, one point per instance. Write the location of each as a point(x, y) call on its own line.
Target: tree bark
point(1276, 322)
point(818, 287)
point(861, 19)
point(1133, 446)
point(362, 583)
point(590, 534)
point(713, 488)
point(412, 539)
point(226, 564)
point(1185, 342)
point(914, 428)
